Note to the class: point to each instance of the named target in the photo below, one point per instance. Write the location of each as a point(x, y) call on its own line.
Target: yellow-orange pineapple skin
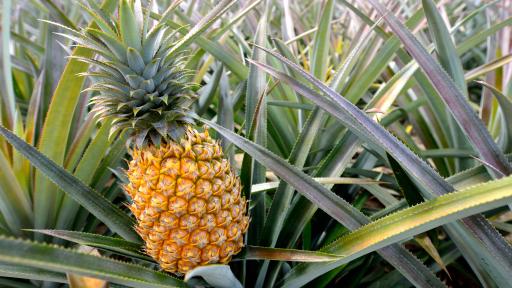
point(187, 202)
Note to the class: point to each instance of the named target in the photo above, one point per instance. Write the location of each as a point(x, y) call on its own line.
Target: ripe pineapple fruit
point(187, 202)
point(186, 198)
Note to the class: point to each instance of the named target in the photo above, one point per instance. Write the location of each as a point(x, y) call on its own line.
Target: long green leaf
point(103, 209)
point(25, 272)
point(256, 127)
point(476, 39)
point(130, 32)
point(201, 26)
point(406, 223)
point(319, 59)
point(56, 12)
point(89, 162)
point(209, 91)
point(6, 85)
point(413, 196)
point(54, 258)
point(284, 194)
point(506, 106)
point(79, 144)
point(445, 48)
point(15, 206)
point(450, 61)
point(487, 67)
point(117, 245)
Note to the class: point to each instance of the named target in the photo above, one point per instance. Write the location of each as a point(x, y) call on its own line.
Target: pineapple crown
point(140, 81)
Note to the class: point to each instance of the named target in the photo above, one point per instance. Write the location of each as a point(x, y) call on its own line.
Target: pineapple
point(185, 196)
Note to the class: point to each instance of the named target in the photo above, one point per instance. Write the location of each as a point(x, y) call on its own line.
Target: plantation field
point(263, 143)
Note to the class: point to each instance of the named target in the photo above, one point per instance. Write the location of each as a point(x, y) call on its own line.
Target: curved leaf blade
point(256, 117)
point(505, 105)
point(8, 97)
point(406, 223)
point(450, 61)
point(130, 32)
point(25, 272)
point(201, 26)
point(54, 258)
point(113, 244)
point(90, 161)
point(15, 206)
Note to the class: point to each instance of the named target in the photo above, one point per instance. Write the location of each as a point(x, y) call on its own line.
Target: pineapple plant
point(185, 195)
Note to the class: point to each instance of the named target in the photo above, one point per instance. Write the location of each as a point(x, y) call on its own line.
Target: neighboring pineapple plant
point(186, 198)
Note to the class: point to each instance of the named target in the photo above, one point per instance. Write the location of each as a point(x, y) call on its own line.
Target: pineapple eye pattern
point(185, 221)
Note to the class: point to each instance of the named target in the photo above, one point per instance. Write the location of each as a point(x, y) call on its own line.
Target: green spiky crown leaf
point(140, 86)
